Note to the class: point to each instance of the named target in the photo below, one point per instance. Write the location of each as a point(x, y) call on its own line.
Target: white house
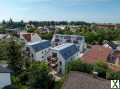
point(38, 50)
point(60, 55)
point(3, 36)
point(79, 41)
point(5, 77)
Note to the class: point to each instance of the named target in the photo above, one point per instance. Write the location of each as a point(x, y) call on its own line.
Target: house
point(104, 54)
point(61, 27)
point(46, 29)
point(114, 57)
point(62, 54)
point(43, 29)
point(29, 37)
point(78, 80)
point(79, 41)
point(105, 26)
point(96, 53)
point(38, 50)
point(2, 36)
point(5, 77)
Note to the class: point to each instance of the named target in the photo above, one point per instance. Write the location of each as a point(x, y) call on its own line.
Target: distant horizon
point(97, 11)
point(61, 21)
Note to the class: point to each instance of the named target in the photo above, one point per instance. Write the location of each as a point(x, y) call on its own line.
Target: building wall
point(41, 55)
point(64, 61)
point(81, 43)
point(35, 37)
point(4, 79)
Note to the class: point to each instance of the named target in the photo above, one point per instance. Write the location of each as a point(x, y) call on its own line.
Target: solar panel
point(40, 46)
point(68, 52)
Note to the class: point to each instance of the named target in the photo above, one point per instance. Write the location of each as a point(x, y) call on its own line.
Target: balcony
point(75, 41)
point(57, 40)
point(54, 65)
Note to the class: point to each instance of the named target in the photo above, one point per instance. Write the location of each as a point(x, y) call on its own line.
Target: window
point(60, 63)
point(54, 54)
point(27, 49)
point(32, 56)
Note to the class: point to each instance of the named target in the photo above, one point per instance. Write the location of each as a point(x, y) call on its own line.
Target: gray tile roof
point(78, 80)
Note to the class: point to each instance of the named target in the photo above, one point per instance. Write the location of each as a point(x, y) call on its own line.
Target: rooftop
point(2, 35)
point(63, 46)
point(33, 43)
point(68, 35)
point(78, 80)
point(4, 70)
point(39, 45)
point(66, 50)
point(97, 52)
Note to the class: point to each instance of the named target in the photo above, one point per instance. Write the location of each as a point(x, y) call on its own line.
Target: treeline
point(13, 24)
point(49, 23)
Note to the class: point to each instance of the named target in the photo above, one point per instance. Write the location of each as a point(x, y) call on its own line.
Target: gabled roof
point(40, 45)
point(27, 37)
point(66, 50)
point(4, 70)
point(97, 52)
point(69, 51)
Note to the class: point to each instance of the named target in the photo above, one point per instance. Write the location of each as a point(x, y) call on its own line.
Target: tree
point(39, 77)
point(101, 68)
point(16, 55)
point(3, 50)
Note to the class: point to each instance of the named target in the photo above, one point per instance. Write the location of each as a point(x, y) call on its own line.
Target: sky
point(101, 11)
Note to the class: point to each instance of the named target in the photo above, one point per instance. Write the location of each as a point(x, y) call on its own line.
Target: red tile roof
point(97, 52)
point(27, 36)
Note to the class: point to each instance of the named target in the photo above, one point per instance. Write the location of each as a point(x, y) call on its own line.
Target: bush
point(77, 65)
point(101, 68)
point(58, 84)
point(113, 75)
point(101, 72)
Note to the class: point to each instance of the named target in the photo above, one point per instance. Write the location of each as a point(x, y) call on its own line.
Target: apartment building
point(79, 41)
point(38, 50)
point(62, 54)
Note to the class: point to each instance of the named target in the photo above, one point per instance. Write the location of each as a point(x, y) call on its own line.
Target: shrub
point(101, 68)
point(77, 65)
point(58, 84)
point(101, 72)
point(113, 75)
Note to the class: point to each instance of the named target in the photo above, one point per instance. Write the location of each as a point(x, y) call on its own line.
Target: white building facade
point(38, 50)
point(79, 41)
point(62, 54)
